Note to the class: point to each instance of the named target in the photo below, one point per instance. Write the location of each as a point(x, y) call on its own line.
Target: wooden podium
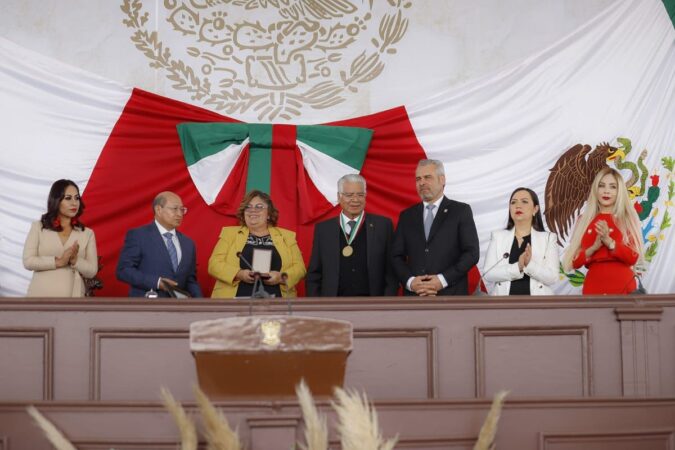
point(267, 356)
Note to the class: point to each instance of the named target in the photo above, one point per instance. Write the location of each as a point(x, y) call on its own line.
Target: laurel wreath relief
point(307, 59)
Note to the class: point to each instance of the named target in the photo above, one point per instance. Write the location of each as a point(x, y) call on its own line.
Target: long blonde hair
point(625, 218)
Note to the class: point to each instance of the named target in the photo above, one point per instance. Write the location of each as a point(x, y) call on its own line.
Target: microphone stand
point(478, 292)
point(258, 288)
point(639, 289)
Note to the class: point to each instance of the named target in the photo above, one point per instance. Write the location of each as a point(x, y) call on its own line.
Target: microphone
point(639, 290)
point(284, 278)
point(240, 255)
point(258, 288)
point(478, 291)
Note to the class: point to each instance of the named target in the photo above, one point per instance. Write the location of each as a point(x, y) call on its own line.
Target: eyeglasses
point(258, 207)
point(175, 209)
point(351, 195)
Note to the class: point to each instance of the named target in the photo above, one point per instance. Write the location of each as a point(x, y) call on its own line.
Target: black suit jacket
point(451, 250)
point(324, 265)
point(145, 258)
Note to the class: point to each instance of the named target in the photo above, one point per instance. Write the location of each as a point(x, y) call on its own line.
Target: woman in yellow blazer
point(257, 235)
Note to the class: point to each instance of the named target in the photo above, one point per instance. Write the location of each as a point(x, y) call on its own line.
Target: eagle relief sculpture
point(273, 58)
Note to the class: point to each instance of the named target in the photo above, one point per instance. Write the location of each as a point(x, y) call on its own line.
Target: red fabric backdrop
point(143, 157)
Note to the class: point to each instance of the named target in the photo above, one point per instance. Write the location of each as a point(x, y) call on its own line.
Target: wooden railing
point(419, 359)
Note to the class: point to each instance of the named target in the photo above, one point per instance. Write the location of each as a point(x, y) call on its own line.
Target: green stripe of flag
point(260, 157)
point(346, 144)
point(670, 7)
point(201, 140)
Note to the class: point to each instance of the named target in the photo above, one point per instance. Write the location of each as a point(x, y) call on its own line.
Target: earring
point(56, 223)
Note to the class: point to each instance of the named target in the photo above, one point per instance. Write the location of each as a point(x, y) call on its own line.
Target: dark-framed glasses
point(175, 209)
point(258, 207)
point(351, 195)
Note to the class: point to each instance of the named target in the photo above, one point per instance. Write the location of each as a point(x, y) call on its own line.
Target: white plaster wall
point(447, 43)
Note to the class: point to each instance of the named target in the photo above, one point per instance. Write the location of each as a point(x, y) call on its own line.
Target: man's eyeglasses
point(353, 194)
point(258, 207)
point(175, 209)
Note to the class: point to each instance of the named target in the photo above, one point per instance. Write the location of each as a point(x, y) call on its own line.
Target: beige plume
point(358, 425)
point(488, 432)
point(57, 439)
point(219, 434)
point(186, 427)
point(316, 429)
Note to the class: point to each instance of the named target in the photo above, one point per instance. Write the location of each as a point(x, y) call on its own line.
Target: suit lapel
point(539, 244)
point(418, 220)
point(334, 240)
point(509, 239)
point(185, 249)
point(369, 227)
point(441, 215)
point(279, 245)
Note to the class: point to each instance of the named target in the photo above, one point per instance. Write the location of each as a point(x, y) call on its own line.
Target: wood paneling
point(131, 364)
point(534, 361)
point(27, 363)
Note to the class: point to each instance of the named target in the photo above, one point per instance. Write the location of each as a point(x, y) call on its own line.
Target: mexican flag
point(123, 146)
point(611, 79)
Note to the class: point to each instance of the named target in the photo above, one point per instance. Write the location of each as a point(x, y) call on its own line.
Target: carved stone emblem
point(271, 330)
point(276, 58)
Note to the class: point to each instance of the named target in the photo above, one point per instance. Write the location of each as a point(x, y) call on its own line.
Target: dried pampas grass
point(219, 434)
point(186, 427)
point(57, 439)
point(486, 437)
point(316, 429)
point(358, 426)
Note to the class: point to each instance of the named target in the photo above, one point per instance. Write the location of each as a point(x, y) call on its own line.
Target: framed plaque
point(262, 260)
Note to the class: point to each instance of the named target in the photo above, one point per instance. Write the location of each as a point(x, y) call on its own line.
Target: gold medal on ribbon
point(348, 250)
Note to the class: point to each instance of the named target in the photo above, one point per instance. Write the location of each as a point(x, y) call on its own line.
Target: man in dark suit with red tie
point(351, 255)
point(436, 243)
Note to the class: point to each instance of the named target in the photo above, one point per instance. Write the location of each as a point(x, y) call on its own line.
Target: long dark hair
point(537, 221)
point(56, 194)
point(272, 212)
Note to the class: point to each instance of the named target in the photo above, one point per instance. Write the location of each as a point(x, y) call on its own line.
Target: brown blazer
point(39, 252)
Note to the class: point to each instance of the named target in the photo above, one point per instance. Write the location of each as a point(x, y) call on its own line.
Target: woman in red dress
point(607, 238)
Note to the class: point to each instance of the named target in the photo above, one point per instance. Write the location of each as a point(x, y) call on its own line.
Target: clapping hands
point(69, 256)
point(525, 258)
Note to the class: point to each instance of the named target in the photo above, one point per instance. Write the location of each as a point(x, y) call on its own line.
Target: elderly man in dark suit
point(156, 256)
point(351, 255)
point(436, 243)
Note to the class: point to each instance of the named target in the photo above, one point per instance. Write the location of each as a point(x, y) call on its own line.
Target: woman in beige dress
point(59, 249)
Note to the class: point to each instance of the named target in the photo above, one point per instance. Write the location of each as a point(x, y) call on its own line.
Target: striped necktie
point(173, 254)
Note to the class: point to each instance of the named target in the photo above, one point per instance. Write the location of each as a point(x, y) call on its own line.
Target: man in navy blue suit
point(156, 256)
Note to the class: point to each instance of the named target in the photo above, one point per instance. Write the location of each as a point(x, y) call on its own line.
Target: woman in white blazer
point(522, 259)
